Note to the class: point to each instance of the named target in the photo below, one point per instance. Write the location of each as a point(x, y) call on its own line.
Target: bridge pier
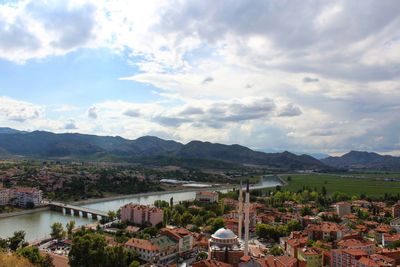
point(84, 214)
point(94, 216)
point(76, 213)
point(68, 211)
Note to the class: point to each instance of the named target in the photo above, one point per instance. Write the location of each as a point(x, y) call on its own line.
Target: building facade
point(141, 214)
point(24, 196)
point(207, 197)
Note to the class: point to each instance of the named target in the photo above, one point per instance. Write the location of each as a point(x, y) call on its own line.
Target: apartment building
point(141, 214)
point(4, 196)
point(22, 196)
point(207, 197)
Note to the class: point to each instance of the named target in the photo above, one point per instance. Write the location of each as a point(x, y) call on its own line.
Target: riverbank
point(23, 212)
point(154, 193)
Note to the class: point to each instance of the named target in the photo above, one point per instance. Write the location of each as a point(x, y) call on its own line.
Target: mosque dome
point(224, 234)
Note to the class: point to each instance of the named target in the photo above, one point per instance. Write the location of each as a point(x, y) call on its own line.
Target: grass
point(373, 187)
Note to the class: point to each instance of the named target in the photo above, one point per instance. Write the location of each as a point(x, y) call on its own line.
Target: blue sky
point(313, 76)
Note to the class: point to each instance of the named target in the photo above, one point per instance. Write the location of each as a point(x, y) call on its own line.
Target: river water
point(37, 225)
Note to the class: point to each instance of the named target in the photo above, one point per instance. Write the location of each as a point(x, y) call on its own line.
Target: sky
point(310, 76)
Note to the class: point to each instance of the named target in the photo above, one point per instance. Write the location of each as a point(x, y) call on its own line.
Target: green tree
point(111, 215)
point(70, 226)
point(88, 250)
point(57, 231)
point(134, 264)
point(31, 253)
point(216, 224)
point(201, 256)
point(116, 257)
point(276, 251)
point(17, 240)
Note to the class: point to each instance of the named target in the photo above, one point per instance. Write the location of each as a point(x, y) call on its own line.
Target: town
point(242, 227)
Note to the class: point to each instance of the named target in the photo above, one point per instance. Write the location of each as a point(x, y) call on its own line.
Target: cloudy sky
point(272, 74)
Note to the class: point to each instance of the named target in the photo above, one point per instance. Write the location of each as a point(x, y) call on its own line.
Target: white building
point(21, 196)
point(343, 208)
point(207, 197)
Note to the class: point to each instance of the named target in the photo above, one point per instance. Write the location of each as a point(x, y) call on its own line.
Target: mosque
point(224, 245)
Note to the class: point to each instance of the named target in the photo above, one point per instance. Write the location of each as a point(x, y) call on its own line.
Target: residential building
point(210, 263)
point(346, 257)
point(388, 239)
point(207, 197)
point(23, 196)
point(362, 244)
point(396, 210)
point(312, 256)
point(4, 196)
point(159, 250)
point(395, 223)
point(343, 208)
point(380, 231)
point(278, 261)
point(141, 214)
point(325, 231)
point(182, 236)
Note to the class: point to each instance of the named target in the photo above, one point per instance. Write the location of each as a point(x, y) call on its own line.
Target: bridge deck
point(79, 208)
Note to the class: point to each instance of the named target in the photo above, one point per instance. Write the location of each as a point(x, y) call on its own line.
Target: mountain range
point(156, 151)
point(146, 149)
point(364, 160)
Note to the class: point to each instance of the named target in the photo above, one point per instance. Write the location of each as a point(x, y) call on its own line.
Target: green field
point(372, 187)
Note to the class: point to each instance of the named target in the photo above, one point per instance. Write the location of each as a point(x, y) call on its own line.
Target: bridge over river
point(77, 210)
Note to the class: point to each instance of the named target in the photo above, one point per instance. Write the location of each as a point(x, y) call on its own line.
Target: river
point(37, 225)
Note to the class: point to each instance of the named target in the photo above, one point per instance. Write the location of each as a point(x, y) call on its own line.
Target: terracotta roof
point(141, 243)
point(355, 243)
point(383, 228)
point(211, 263)
point(207, 193)
point(355, 252)
point(279, 261)
point(325, 227)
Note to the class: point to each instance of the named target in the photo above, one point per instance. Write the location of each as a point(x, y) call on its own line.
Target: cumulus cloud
point(290, 110)
point(207, 80)
point(132, 113)
point(231, 69)
point(92, 113)
point(70, 125)
point(19, 111)
point(310, 80)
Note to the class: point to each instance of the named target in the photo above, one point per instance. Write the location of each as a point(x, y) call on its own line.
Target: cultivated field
point(374, 186)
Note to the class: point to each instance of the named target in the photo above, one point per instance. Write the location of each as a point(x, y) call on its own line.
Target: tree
point(186, 218)
point(88, 250)
point(16, 240)
point(134, 264)
point(216, 224)
point(116, 257)
point(276, 251)
point(70, 226)
point(57, 231)
point(202, 255)
point(47, 261)
point(111, 215)
point(31, 253)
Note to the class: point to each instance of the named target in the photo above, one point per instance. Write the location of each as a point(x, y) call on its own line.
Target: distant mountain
point(364, 160)
point(316, 155)
point(146, 150)
point(6, 130)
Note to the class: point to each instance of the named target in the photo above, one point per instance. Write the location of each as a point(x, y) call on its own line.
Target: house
point(395, 223)
point(380, 231)
point(182, 236)
point(325, 230)
point(388, 239)
point(361, 244)
point(396, 210)
point(343, 208)
point(141, 214)
point(210, 263)
point(312, 256)
point(207, 197)
point(160, 250)
point(375, 260)
point(277, 261)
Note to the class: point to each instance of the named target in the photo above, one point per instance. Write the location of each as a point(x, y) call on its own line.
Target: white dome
point(224, 234)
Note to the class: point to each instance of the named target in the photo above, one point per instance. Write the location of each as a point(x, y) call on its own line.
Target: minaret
point(240, 211)
point(246, 220)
